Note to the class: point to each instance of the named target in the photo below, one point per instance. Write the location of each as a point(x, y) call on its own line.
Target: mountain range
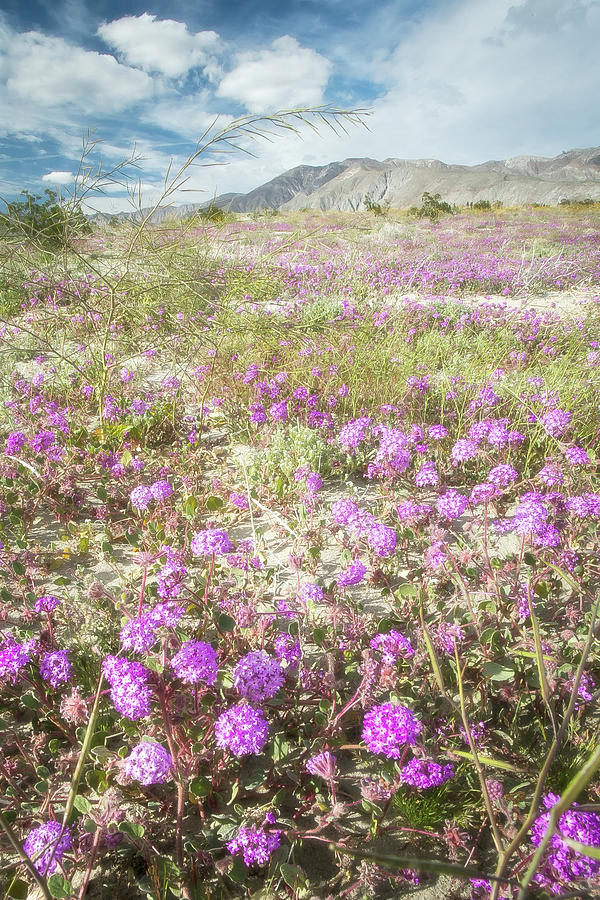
point(573, 175)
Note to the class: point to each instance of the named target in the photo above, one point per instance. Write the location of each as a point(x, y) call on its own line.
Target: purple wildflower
point(463, 450)
point(451, 504)
point(210, 541)
point(258, 676)
point(555, 421)
point(47, 603)
point(241, 729)
point(388, 727)
point(149, 763)
point(392, 646)
point(161, 490)
point(46, 845)
point(323, 765)
point(424, 773)
point(577, 456)
point(427, 475)
point(382, 540)
point(55, 668)
point(195, 661)
point(287, 647)
point(138, 634)
point(353, 574)
point(129, 692)
point(256, 844)
point(13, 658)
point(141, 497)
point(502, 475)
point(560, 861)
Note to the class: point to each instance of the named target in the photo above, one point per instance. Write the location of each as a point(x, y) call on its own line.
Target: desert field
point(299, 558)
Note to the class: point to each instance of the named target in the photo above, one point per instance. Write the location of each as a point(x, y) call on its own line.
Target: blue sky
point(459, 80)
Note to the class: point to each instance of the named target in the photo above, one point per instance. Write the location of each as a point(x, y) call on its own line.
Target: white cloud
point(59, 177)
point(161, 45)
point(46, 72)
point(50, 88)
point(283, 77)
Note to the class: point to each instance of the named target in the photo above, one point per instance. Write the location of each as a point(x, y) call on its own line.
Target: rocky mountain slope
point(574, 175)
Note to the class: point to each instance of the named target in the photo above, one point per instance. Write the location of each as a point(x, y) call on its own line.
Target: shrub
point(432, 207)
point(47, 223)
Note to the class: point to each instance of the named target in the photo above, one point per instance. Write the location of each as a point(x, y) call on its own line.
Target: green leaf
point(126, 458)
point(200, 786)
point(407, 590)
point(292, 875)
point(214, 503)
point(82, 804)
point(18, 890)
point(59, 886)
point(225, 622)
point(133, 829)
point(497, 671)
point(486, 760)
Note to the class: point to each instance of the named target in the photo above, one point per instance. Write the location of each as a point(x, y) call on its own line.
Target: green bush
point(46, 223)
point(432, 207)
point(376, 208)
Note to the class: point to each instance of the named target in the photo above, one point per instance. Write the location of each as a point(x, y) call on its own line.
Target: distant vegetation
point(47, 223)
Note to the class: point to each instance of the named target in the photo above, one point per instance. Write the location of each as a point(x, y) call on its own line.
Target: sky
point(86, 85)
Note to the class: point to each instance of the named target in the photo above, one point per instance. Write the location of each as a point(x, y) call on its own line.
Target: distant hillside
point(574, 175)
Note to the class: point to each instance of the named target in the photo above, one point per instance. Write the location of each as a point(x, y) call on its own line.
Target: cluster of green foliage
point(46, 223)
point(377, 209)
point(432, 207)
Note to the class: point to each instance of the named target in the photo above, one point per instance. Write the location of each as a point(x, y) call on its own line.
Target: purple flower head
point(258, 676)
point(161, 490)
point(463, 450)
point(323, 765)
point(55, 668)
point(551, 475)
point(446, 636)
point(15, 442)
point(435, 556)
point(353, 433)
point(560, 862)
point(424, 773)
point(13, 658)
point(314, 482)
point(258, 415)
point(451, 504)
point(438, 432)
point(46, 845)
point(129, 689)
point(149, 763)
point(481, 493)
point(556, 421)
point(256, 844)
point(210, 541)
point(166, 615)
point(388, 727)
point(140, 497)
point(392, 646)
point(195, 661)
point(427, 475)
point(310, 593)
point(47, 603)
point(240, 501)
point(279, 411)
point(139, 634)
point(354, 574)
point(241, 729)
point(343, 511)
point(382, 540)
point(287, 647)
point(502, 475)
point(170, 580)
point(577, 456)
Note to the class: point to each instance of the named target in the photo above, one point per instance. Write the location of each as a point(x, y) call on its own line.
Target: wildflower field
point(299, 559)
